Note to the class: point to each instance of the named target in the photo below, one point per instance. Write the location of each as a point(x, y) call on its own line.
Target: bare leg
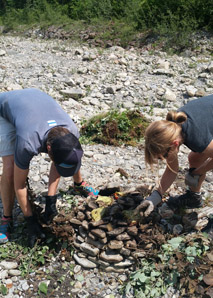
point(7, 185)
point(77, 177)
point(54, 178)
point(198, 160)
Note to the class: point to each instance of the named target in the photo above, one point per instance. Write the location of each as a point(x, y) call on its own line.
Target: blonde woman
point(191, 125)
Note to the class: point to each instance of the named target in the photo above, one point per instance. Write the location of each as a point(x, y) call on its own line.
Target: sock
point(78, 184)
point(7, 217)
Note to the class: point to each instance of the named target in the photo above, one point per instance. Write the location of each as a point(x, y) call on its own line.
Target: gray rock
point(115, 244)
point(14, 272)
point(74, 93)
point(8, 265)
point(111, 257)
point(84, 262)
point(88, 249)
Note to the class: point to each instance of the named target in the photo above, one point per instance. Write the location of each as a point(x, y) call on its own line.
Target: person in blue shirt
point(32, 122)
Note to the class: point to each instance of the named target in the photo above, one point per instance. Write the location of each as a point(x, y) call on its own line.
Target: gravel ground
point(86, 81)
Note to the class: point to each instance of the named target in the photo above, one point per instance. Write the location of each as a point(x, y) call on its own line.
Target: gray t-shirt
point(198, 129)
point(33, 113)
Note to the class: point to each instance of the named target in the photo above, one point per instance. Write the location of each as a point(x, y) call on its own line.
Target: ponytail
point(177, 117)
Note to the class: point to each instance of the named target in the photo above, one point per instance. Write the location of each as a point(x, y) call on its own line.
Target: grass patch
point(115, 128)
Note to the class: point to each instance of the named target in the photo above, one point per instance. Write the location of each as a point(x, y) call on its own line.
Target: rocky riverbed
point(87, 80)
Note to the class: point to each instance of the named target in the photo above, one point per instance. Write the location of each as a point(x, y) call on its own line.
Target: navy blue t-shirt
point(33, 113)
point(198, 128)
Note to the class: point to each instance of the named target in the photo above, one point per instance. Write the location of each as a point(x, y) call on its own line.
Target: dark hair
point(55, 133)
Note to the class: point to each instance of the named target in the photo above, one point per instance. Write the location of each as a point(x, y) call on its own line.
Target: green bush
point(145, 13)
point(115, 128)
point(173, 20)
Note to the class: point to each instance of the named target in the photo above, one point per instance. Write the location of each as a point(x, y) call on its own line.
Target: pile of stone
point(107, 233)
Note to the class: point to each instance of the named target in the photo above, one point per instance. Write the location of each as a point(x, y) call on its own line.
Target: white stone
point(169, 95)
point(8, 265)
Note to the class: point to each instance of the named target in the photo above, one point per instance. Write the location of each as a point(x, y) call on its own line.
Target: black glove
point(50, 209)
point(34, 230)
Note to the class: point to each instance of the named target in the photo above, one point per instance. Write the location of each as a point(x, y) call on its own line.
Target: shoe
point(209, 228)
point(50, 209)
point(188, 200)
point(4, 229)
point(3, 238)
point(85, 190)
point(34, 230)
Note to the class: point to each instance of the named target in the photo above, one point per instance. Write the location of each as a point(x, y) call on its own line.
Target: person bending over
point(191, 125)
point(32, 122)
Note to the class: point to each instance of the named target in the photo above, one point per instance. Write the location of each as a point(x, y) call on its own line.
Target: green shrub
point(172, 20)
point(115, 128)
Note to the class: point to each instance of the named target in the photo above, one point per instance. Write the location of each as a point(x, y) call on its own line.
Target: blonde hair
point(160, 134)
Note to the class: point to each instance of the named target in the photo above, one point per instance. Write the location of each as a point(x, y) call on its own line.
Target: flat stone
point(111, 257)
point(85, 224)
point(80, 239)
point(75, 221)
point(96, 223)
point(14, 272)
point(2, 53)
point(126, 263)
point(131, 244)
point(3, 274)
point(133, 231)
point(94, 242)
point(124, 251)
point(88, 214)
point(92, 236)
point(92, 205)
point(123, 237)
point(115, 244)
point(76, 244)
point(122, 223)
point(103, 240)
point(208, 279)
point(116, 231)
point(99, 233)
point(165, 211)
point(210, 256)
point(113, 269)
point(84, 262)
point(73, 93)
point(88, 249)
point(8, 265)
point(80, 216)
point(138, 254)
point(177, 229)
point(82, 232)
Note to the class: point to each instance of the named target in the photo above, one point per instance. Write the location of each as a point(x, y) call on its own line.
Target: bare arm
point(20, 177)
point(169, 174)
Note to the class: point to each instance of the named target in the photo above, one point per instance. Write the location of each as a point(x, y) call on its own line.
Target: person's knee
point(8, 175)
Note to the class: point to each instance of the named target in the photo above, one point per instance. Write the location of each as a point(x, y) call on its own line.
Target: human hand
point(148, 205)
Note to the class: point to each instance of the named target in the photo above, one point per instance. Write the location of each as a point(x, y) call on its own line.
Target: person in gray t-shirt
point(32, 122)
point(191, 125)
